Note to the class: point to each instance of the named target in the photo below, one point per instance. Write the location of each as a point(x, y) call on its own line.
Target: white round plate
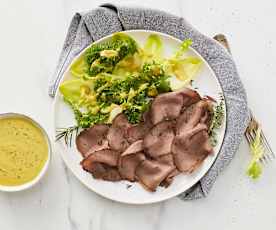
point(206, 83)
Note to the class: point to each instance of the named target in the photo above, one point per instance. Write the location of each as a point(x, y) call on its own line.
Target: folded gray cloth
point(95, 24)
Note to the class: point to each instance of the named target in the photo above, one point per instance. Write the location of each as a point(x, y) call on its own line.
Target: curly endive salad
point(121, 76)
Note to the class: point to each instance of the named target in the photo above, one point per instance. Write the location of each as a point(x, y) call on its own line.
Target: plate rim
point(68, 163)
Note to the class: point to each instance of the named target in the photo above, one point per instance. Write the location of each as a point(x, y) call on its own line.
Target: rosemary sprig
point(217, 120)
point(67, 134)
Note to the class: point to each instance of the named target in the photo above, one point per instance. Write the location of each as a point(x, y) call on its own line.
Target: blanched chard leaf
point(182, 68)
point(73, 90)
point(129, 65)
point(183, 71)
point(153, 48)
point(79, 67)
point(184, 47)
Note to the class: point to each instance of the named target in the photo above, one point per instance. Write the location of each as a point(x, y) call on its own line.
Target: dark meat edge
point(106, 166)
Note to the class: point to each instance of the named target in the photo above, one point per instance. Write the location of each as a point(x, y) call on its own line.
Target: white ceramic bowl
point(46, 165)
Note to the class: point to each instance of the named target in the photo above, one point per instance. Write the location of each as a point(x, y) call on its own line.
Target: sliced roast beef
point(172, 138)
point(146, 116)
point(151, 173)
point(189, 97)
point(117, 134)
point(92, 139)
point(112, 174)
point(128, 164)
point(169, 179)
point(97, 170)
point(121, 121)
point(104, 172)
point(130, 159)
point(166, 159)
point(192, 116)
point(207, 114)
point(159, 139)
point(168, 106)
point(105, 156)
point(96, 148)
point(190, 151)
point(117, 139)
point(137, 132)
point(102, 164)
point(134, 148)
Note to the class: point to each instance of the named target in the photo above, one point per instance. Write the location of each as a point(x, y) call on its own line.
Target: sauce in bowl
point(24, 151)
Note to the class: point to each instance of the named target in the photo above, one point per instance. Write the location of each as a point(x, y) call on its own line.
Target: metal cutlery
point(254, 128)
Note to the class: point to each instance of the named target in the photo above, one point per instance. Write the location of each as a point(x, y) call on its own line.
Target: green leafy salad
point(120, 76)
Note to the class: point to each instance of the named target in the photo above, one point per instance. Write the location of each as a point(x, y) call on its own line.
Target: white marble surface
point(32, 33)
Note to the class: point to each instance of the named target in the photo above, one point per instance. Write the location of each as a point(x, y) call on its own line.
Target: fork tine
point(267, 145)
point(250, 135)
point(268, 153)
point(268, 156)
point(261, 140)
point(247, 137)
point(263, 159)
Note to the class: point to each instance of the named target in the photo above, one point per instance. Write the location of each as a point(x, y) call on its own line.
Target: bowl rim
point(27, 185)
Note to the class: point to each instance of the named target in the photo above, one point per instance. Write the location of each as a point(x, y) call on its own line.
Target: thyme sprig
point(217, 120)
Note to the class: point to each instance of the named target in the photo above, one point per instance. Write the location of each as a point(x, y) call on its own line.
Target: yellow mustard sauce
point(23, 151)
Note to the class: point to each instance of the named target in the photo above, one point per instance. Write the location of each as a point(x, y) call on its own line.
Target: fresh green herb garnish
point(217, 120)
point(67, 134)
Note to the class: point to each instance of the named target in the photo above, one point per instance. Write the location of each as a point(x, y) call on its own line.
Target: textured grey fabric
point(90, 26)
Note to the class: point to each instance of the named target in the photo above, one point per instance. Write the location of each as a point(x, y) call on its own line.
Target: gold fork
point(254, 125)
point(251, 133)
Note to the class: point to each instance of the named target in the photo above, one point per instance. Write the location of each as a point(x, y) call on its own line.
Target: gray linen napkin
point(89, 26)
